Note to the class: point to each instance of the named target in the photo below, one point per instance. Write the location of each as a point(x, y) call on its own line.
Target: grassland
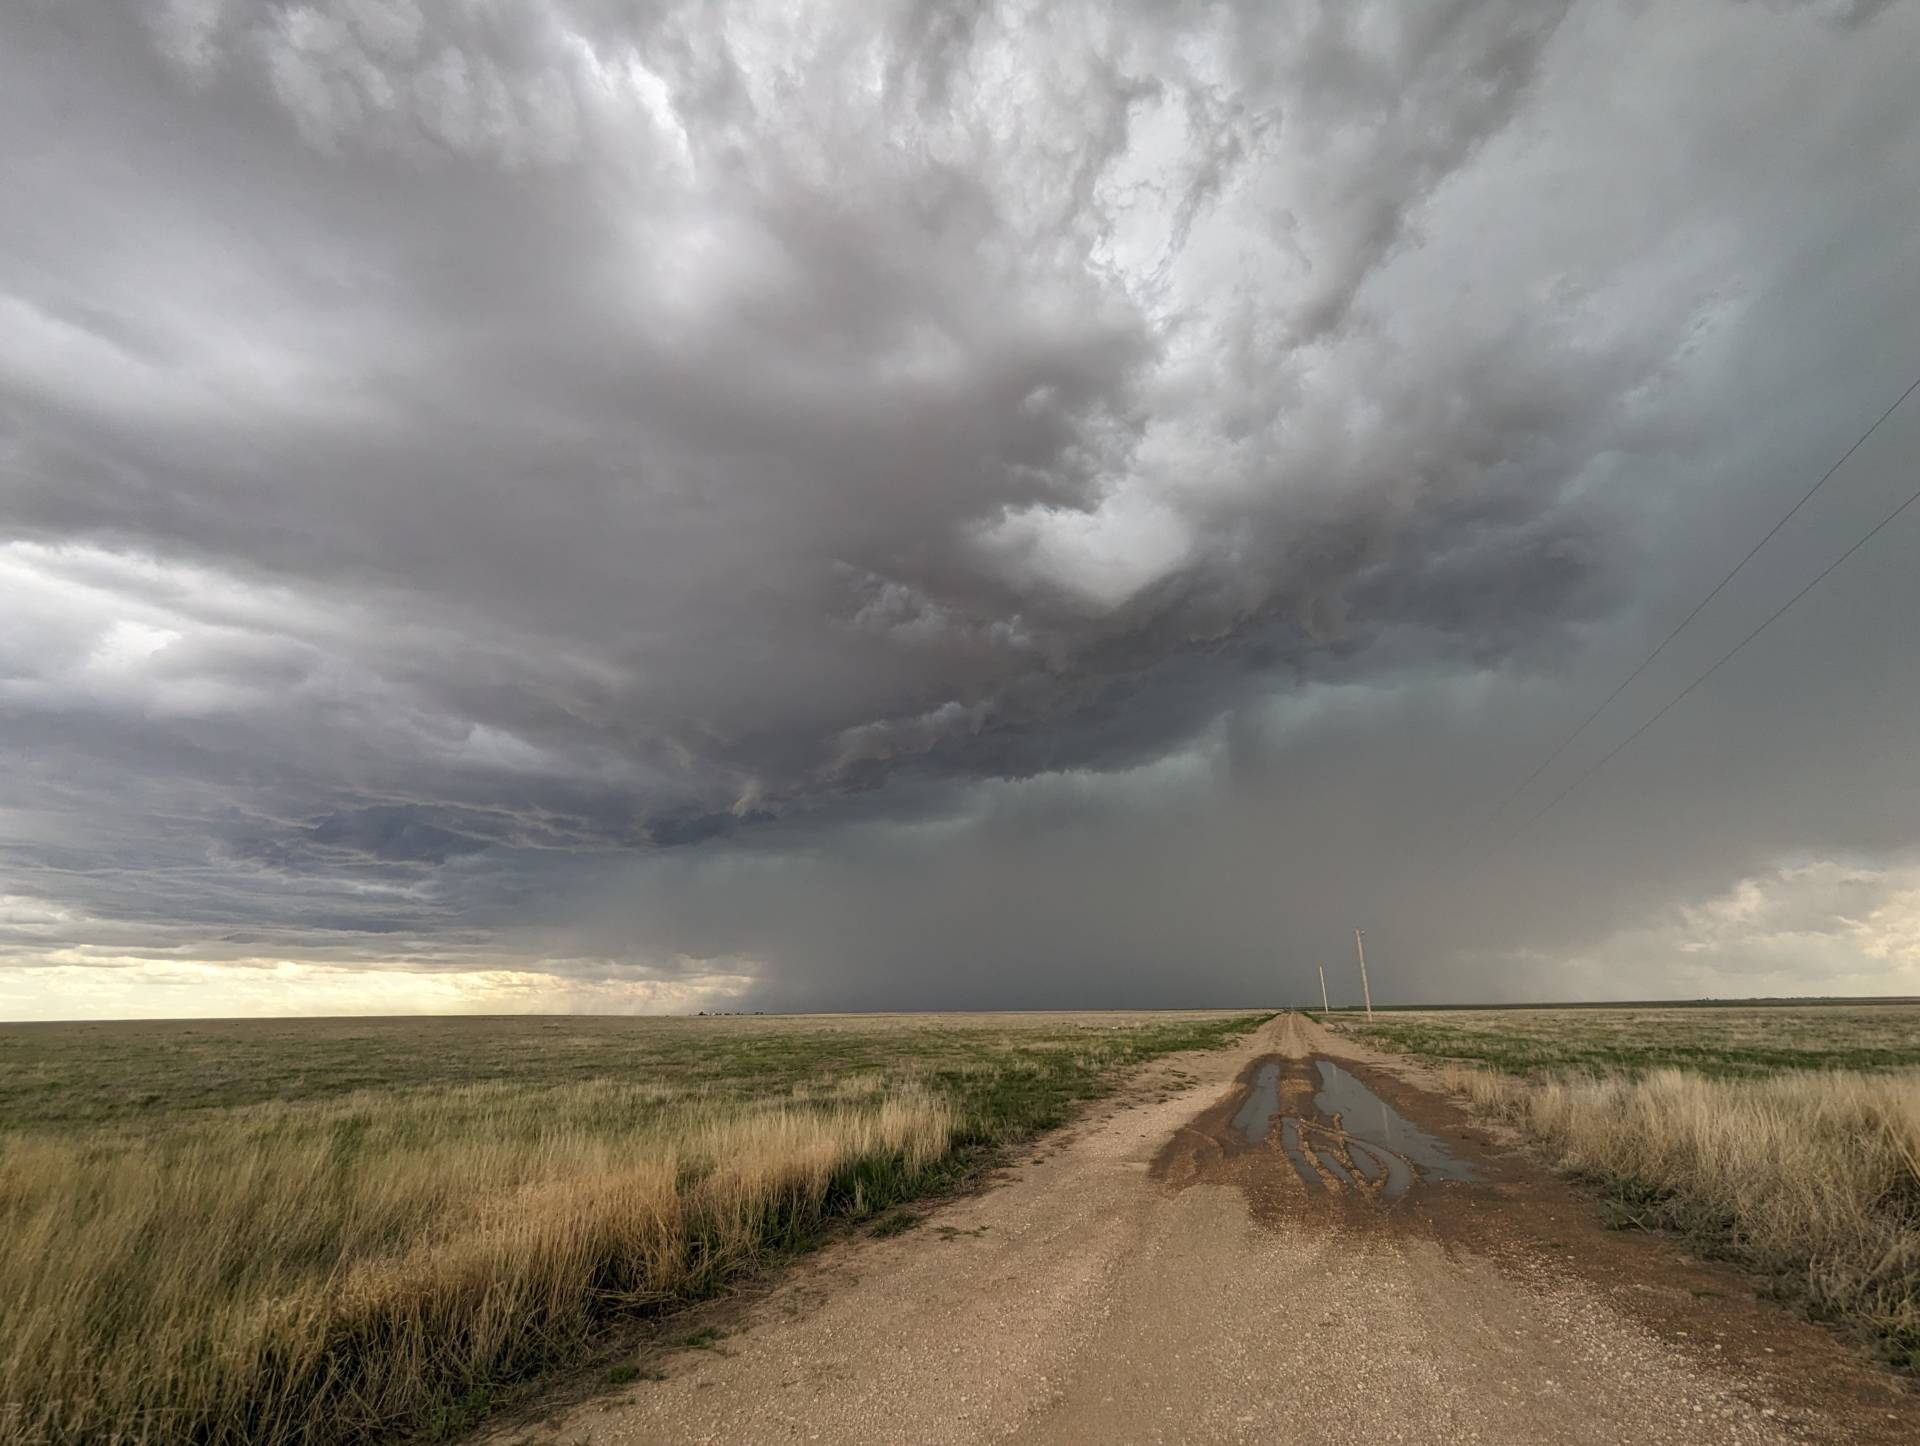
point(1747, 1042)
point(320, 1231)
point(1787, 1138)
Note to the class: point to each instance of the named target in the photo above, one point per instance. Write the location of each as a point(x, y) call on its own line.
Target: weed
point(896, 1222)
point(455, 1418)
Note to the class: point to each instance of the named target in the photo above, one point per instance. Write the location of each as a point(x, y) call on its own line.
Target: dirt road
point(1294, 1240)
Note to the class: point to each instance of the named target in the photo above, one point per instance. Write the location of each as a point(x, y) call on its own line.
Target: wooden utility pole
point(1361, 949)
point(1325, 1008)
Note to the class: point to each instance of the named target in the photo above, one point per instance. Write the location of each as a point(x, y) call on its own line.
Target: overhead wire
point(1718, 664)
point(1698, 608)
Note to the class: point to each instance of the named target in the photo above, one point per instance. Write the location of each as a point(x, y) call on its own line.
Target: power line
point(1699, 607)
point(1720, 662)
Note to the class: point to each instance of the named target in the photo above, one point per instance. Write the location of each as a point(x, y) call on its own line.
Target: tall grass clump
point(363, 1271)
point(1813, 1177)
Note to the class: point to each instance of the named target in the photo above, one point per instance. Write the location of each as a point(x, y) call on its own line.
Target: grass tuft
point(896, 1222)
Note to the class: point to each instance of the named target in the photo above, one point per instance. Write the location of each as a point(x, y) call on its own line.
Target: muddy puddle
point(1373, 1127)
point(1255, 1118)
point(1310, 1125)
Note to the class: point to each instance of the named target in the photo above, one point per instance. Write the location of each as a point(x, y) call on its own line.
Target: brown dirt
point(1160, 1275)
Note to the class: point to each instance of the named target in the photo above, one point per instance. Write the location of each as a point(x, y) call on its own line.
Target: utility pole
point(1325, 1008)
point(1361, 949)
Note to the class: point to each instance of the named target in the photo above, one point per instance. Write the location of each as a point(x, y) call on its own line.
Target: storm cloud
point(892, 504)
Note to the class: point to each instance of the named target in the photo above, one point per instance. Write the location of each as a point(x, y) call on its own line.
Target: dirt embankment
point(1295, 1239)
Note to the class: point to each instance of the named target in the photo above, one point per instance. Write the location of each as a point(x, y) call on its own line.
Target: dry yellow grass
point(259, 1283)
point(204, 1238)
point(1814, 1177)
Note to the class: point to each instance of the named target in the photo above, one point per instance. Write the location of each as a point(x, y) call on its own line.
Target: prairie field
point(1719, 1040)
point(1787, 1137)
point(347, 1230)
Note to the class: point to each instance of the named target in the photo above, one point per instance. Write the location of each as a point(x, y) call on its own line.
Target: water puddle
point(1335, 1133)
point(1255, 1118)
point(1360, 1141)
point(1296, 1154)
point(1302, 1126)
point(1375, 1128)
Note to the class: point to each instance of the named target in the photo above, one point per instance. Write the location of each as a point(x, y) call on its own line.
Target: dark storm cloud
point(450, 450)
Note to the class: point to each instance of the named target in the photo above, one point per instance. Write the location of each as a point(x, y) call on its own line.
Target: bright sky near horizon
point(543, 504)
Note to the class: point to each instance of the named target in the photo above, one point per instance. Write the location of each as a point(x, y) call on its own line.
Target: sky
point(566, 505)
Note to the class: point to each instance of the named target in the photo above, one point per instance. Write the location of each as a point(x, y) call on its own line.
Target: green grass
point(1013, 1074)
point(1726, 1043)
point(895, 1222)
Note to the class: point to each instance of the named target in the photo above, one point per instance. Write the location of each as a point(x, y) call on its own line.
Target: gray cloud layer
point(935, 503)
